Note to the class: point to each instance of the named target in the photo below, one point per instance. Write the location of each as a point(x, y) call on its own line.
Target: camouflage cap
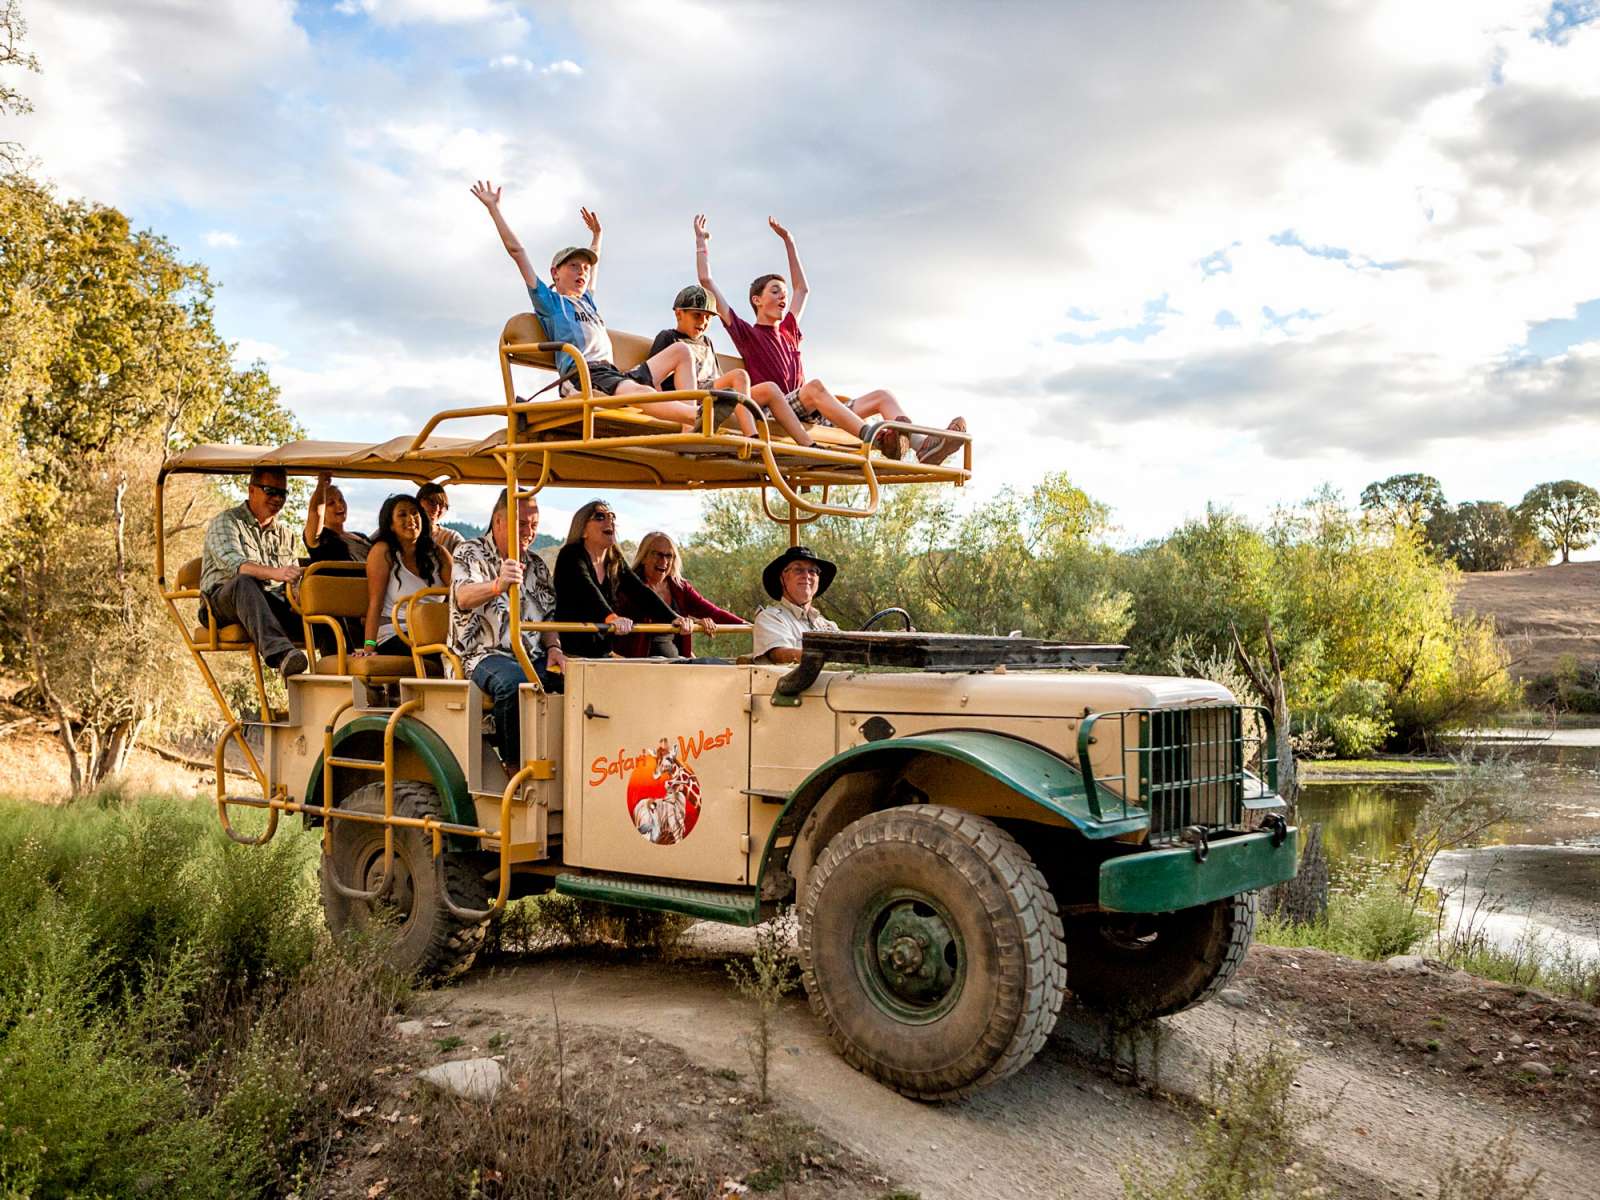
point(567, 252)
point(695, 298)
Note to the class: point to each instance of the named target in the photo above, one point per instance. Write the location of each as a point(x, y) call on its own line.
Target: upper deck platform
point(593, 441)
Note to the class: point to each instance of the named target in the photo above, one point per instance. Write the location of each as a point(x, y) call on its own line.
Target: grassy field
point(1335, 768)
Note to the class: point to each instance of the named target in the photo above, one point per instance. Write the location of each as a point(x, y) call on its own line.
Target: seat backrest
point(334, 590)
point(189, 575)
point(628, 349)
point(429, 623)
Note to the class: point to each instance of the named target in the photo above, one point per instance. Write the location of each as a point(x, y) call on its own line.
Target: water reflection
point(1362, 820)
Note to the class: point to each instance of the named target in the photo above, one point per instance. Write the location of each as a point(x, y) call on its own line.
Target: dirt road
point(1064, 1125)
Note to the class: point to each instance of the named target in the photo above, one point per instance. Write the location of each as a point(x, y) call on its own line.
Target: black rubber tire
point(430, 942)
point(1141, 966)
point(1011, 949)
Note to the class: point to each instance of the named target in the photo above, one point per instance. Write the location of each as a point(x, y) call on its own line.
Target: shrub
point(1373, 922)
point(1245, 1142)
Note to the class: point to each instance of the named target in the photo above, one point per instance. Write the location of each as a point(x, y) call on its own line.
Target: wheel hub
point(911, 957)
point(402, 892)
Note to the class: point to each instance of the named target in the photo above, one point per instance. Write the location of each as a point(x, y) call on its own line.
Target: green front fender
point(443, 769)
point(1030, 771)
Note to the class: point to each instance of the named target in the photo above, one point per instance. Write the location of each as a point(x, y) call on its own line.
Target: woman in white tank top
point(404, 559)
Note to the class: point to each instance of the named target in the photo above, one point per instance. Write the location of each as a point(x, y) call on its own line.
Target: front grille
point(1183, 766)
point(1193, 773)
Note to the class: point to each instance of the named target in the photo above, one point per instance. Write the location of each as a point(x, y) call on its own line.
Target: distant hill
point(540, 540)
point(1542, 613)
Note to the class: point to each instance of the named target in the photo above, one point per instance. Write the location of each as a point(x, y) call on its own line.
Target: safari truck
point(969, 828)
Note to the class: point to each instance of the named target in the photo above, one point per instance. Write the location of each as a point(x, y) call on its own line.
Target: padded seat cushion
point(232, 637)
point(392, 666)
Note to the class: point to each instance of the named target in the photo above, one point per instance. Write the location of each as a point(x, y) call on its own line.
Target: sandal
point(891, 443)
point(935, 449)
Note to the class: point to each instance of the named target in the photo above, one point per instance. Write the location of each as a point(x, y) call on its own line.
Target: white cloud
point(221, 239)
point(1382, 197)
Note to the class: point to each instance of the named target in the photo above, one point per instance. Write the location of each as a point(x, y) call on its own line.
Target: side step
point(730, 906)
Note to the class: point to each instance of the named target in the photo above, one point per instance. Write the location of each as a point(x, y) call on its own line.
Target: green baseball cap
point(695, 298)
point(567, 252)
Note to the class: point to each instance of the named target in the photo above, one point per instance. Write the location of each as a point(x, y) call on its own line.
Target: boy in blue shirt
point(569, 314)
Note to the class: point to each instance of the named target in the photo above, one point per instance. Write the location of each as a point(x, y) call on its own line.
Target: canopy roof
point(623, 450)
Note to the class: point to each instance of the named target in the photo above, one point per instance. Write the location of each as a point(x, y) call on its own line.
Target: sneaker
point(294, 663)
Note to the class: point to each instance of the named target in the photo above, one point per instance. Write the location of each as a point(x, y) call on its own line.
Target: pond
point(1539, 875)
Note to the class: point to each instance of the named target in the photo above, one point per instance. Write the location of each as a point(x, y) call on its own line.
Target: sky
point(1191, 254)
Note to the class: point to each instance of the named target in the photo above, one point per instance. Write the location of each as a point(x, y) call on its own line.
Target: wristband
point(371, 644)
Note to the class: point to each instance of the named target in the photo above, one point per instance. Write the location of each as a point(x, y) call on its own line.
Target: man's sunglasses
point(277, 493)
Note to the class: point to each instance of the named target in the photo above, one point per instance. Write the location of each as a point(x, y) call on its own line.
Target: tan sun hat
point(566, 252)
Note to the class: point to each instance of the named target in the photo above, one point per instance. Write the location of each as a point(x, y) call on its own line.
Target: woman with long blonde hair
point(592, 579)
point(659, 566)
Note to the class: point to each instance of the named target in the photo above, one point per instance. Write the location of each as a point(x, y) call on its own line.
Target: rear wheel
point(1144, 965)
point(931, 950)
point(429, 941)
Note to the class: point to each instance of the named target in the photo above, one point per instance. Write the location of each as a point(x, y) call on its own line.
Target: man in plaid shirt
point(247, 560)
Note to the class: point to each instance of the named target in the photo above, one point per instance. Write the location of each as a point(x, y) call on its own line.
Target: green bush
point(139, 943)
point(1358, 718)
point(1373, 922)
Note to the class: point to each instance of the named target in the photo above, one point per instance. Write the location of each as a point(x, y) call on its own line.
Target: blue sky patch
point(1550, 338)
point(1148, 326)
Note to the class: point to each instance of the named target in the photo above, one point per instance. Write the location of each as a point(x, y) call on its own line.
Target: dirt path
point(1064, 1125)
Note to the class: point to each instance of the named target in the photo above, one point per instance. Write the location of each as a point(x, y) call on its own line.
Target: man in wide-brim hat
point(794, 579)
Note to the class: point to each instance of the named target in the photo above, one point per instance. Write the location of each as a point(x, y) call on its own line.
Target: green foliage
point(1015, 562)
point(1358, 717)
point(129, 930)
point(1486, 535)
point(1565, 514)
point(1403, 500)
point(1491, 1174)
point(770, 974)
point(1373, 922)
point(1245, 1144)
point(1373, 651)
point(109, 359)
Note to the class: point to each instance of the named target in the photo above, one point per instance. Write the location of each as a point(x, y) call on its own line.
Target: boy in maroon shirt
point(771, 352)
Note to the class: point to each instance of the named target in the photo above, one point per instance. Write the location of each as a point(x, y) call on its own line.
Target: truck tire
point(1140, 966)
point(429, 943)
point(931, 950)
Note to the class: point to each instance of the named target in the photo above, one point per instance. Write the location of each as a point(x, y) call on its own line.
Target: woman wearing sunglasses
point(592, 579)
point(658, 565)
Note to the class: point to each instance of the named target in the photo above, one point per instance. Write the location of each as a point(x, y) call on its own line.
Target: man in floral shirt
point(480, 619)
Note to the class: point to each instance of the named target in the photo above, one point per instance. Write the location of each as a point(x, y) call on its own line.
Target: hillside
point(1542, 613)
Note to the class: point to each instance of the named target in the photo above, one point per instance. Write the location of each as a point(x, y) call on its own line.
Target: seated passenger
point(592, 578)
point(435, 504)
point(569, 314)
point(657, 565)
point(693, 310)
point(482, 572)
point(404, 559)
point(325, 535)
point(247, 559)
point(771, 352)
point(794, 579)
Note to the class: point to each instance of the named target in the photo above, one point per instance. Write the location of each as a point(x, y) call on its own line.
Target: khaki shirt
point(780, 625)
point(235, 537)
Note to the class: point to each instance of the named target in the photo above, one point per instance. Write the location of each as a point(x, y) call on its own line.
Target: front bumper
point(1167, 880)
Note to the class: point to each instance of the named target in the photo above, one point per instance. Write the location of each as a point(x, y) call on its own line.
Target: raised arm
point(702, 266)
point(593, 222)
point(489, 196)
point(313, 529)
point(798, 290)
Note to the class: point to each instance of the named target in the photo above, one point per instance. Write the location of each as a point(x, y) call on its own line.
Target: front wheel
point(1138, 966)
point(429, 941)
point(932, 950)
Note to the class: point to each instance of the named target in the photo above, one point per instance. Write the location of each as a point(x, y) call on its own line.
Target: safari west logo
point(663, 792)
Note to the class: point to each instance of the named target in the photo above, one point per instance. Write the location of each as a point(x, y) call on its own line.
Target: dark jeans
point(264, 614)
point(500, 675)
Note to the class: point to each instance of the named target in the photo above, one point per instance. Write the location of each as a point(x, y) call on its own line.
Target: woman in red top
point(657, 563)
